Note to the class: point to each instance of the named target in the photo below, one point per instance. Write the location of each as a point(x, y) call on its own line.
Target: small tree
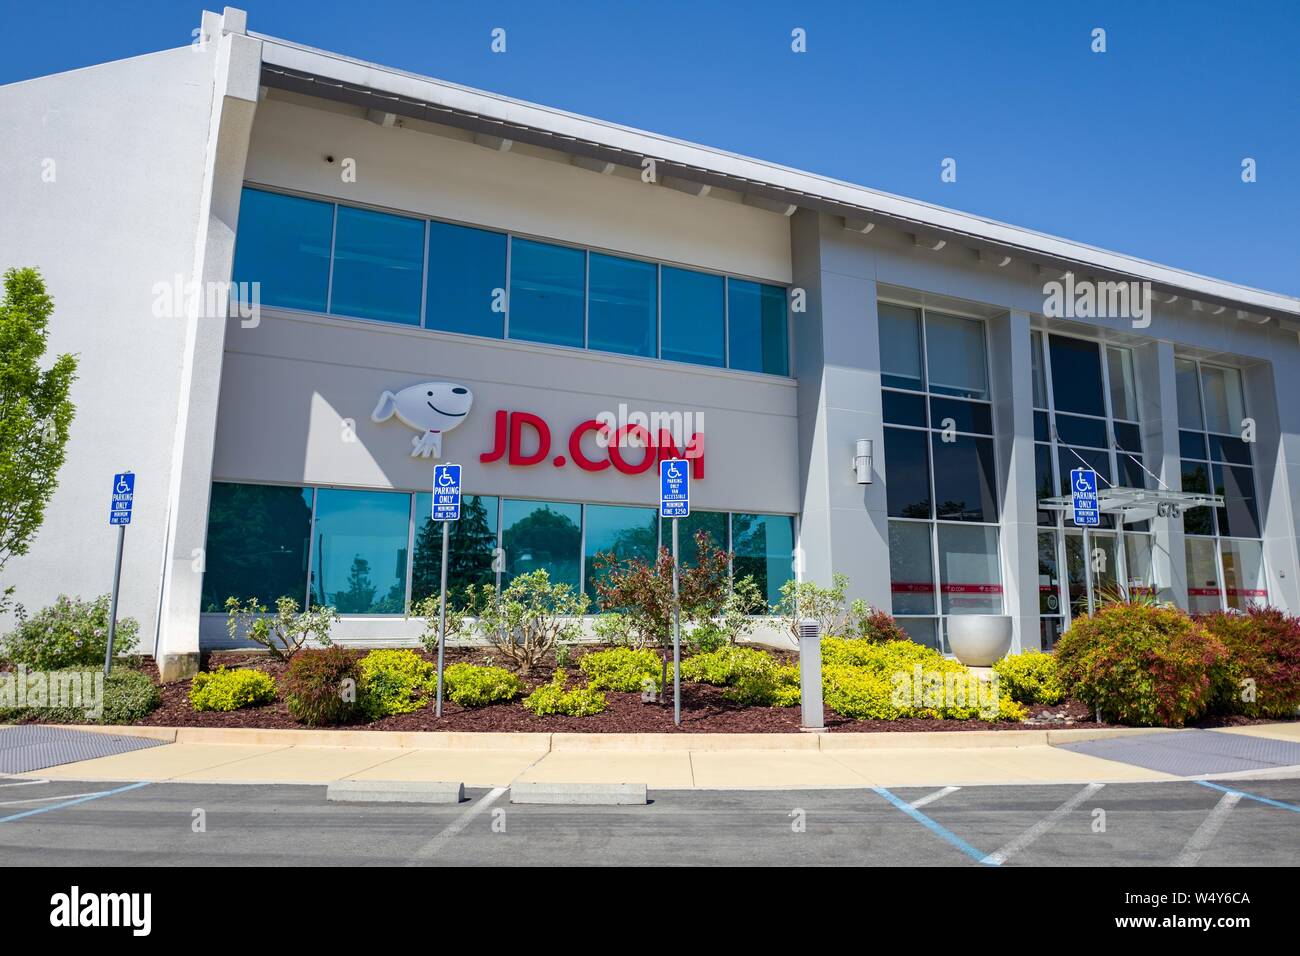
point(528, 618)
point(825, 605)
point(35, 413)
point(283, 633)
point(430, 609)
point(642, 594)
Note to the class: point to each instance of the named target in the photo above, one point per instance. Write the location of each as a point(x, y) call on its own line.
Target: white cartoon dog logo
point(431, 408)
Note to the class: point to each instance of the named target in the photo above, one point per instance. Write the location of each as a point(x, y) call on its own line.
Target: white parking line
point(931, 797)
point(998, 857)
point(430, 849)
point(1205, 833)
point(20, 783)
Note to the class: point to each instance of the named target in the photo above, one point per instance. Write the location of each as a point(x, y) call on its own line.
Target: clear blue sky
point(1138, 149)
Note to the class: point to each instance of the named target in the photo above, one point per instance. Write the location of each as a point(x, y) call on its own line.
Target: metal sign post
point(446, 508)
point(122, 500)
point(675, 503)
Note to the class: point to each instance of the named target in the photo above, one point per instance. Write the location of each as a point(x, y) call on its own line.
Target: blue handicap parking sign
point(122, 499)
point(446, 493)
point(675, 488)
point(1083, 491)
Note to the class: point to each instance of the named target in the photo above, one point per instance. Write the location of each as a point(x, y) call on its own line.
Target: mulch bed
point(704, 710)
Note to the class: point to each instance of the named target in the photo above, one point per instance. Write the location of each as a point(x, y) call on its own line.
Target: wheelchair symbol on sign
point(122, 486)
point(1082, 485)
point(673, 470)
point(445, 479)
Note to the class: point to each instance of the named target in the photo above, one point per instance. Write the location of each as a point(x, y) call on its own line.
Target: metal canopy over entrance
point(1139, 504)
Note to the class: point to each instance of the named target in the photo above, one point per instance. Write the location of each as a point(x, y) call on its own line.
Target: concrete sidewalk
point(661, 761)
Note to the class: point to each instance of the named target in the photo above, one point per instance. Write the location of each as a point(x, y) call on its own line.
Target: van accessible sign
point(1083, 491)
point(674, 488)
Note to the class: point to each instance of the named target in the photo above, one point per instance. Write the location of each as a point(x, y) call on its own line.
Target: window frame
point(510, 235)
point(939, 617)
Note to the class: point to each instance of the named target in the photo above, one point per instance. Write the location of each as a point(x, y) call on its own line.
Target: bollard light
point(810, 676)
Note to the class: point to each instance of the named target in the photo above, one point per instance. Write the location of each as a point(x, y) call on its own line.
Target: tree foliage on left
point(35, 413)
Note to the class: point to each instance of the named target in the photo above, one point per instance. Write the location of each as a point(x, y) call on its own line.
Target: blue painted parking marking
point(1250, 796)
point(935, 827)
point(72, 803)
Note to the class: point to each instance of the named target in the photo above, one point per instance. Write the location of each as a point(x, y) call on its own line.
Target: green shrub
point(1141, 665)
point(883, 658)
point(284, 632)
point(321, 687)
point(752, 677)
point(727, 665)
point(69, 633)
point(472, 686)
point(775, 686)
point(552, 698)
point(859, 693)
point(621, 669)
point(129, 696)
point(1261, 677)
point(1030, 678)
point(897, 679)
point(395, 682)
point(230, 690)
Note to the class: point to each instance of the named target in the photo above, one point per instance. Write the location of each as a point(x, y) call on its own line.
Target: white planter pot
point(979, 640)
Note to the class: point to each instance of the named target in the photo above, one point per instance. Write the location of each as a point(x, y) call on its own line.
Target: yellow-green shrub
point(230, 690)
point(621, 669)
point(472, 686)
point(897, 679)
point(726, 666)
point(395, 682)
point(552, 698)
point(775, 686)
point(752, 677)
point(1030, 678)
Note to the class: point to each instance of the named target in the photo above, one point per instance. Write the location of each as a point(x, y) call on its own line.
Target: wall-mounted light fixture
point(862, 461)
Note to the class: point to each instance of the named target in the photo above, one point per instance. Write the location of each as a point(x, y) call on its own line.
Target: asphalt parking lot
point(1245, 823)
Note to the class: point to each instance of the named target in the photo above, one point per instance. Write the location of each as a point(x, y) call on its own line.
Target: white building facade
point(583, 300)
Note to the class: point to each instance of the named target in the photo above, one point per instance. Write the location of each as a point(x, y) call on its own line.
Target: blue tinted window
point(284, 244)
point(546, 292)
point(625, 533)
point(472, 544)
point(466, 268)
point(257, 544)
point(359, 562)
point(763, 546)
point(756, 325)
point(542, 536)
point(693, 317)
point(378, 266)
point(623, 305)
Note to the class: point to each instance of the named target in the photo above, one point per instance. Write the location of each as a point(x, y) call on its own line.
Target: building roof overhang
point(596, 143)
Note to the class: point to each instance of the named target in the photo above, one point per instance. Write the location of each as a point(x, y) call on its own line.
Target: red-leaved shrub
point(1141, 664)
point(322, 687)
point(1262, 675)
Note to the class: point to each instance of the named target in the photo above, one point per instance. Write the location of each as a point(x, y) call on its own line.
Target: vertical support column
point(844, 526)
point(1158, 398)
point(1275, 405)
point(237, 63)
point(1013, 414)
